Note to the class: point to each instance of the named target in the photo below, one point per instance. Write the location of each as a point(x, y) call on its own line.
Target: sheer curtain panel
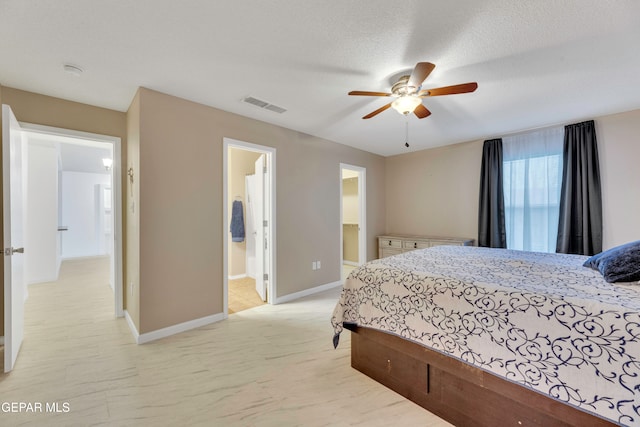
point(532, 185)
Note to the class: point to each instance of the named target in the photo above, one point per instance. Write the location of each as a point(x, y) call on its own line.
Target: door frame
point(270, 155)
point(116, 197)
point(362, 213)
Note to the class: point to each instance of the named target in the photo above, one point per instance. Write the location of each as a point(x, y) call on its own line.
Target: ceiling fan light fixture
point(408, 92)
point(406, 104)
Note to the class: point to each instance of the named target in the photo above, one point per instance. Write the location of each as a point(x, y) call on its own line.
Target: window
point(532, 179)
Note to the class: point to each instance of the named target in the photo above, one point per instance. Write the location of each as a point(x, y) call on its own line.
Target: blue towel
point(237, 222)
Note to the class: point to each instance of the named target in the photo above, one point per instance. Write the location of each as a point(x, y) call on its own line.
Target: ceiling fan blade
point(378, 111)
point(450, 90)
point(420, 73)
point(421, 112)
point(365, 93)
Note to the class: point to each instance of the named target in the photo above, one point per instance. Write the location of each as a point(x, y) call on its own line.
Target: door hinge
point(265, 223)
point(265, 276)
point(264, 170)
point(265, 244)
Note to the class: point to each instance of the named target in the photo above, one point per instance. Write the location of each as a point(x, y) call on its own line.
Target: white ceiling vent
point(263, 104)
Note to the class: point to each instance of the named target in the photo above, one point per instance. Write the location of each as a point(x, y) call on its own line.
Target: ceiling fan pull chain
point(406, 133)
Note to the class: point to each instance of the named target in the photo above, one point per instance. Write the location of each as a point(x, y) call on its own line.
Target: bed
point(484, 336)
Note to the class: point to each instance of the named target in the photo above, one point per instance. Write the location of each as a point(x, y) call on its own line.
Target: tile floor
point(243, 295)
point(267, 366)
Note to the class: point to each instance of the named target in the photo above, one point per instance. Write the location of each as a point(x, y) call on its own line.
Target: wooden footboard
point(457, 392)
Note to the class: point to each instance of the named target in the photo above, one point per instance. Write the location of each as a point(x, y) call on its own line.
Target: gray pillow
point(619, 264)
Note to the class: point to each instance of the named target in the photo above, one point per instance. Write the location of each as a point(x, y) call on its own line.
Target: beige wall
point(350, 214)
point(619, 151)
point(2, 237)
point(173, 208)
point(350, 243)
point(350, 219)
point(180, 207)
point(435, 192)
point(240, 164)
point(131, 191)
point(45, 110)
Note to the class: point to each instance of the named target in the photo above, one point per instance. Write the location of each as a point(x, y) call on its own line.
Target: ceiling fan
point(409, 93)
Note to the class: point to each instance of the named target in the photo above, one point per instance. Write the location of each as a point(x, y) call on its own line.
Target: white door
point(12, 226)
point(261, 237)
point(266, 209)
point(250, 226)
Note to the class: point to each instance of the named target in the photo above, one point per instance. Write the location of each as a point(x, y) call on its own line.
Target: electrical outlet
point(318, 264)
point(314, 265)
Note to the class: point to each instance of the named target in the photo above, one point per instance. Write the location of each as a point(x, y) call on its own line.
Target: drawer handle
point(389, 242)
point(415, 245)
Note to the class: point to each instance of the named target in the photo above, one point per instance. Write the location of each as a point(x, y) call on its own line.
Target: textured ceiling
point(536, 62)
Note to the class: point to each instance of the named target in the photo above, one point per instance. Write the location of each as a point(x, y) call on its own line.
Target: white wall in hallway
point(80, 213)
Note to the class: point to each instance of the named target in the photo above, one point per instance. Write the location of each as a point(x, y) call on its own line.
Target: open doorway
point(249, 210)
point(34, 178)
point(353, 249)
point(73, 222)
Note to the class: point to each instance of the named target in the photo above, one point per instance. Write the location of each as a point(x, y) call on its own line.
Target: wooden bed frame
point(459, 393)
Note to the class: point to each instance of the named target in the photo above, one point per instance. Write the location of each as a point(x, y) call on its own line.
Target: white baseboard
point(236, 277)
point(45, 279)
point(203, 321)
point(78, 258)
point(171, 330)
point(132, 326)
point(307, 292)
point(355, 264)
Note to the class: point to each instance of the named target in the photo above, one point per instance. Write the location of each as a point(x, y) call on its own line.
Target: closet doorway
point(353, 227)
point(249, 208)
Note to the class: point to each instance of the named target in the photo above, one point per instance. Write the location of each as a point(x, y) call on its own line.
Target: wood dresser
point(394, 244)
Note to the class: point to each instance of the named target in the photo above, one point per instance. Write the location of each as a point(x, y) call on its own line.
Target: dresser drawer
point(384, 252)
point(448, 243)
point(444, 243)
point(393, 244)
point(389, 243)
point(415, 244)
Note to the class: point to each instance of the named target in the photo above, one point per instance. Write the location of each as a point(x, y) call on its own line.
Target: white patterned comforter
point(540, 320)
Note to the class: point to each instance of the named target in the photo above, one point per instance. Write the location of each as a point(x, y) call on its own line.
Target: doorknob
point(11, 251)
